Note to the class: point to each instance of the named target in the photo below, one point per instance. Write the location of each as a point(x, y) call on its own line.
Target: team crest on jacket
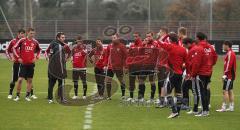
point(207, 51)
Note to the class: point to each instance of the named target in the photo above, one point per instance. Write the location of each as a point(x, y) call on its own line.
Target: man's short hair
point(187, 40)
point(116, 34)
point(59, 34)
point(164, 29)
point(21, 31)
point(201, 36)
point(173, 37)
point(228, 43)
point(182, 30)
point(30, 29)
point(150, 33)
point(79, 37)
point(137, 33)
point(100, 39)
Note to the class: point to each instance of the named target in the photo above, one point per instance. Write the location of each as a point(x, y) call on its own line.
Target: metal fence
point(92, 29)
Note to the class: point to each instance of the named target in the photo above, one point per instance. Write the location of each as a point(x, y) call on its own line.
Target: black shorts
point(162, 76)
point(15, 71)
point(26, 71)
point(99, 76)
point(176, 82)
point(146, 72)
point(134, 71)
point(110, 73)
point(99, 72)
point(227, 84)
point(79, 73)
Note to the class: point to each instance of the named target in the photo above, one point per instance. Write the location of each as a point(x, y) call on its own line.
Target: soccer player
point(182, 33)
point(115, 63)
point(186, 85)
point(208, 87)
point(16, 64)
point(163, 72)
point(97, 57)
point(150, 50)
point(79, 63)
point(57, 54)
point(132, 63)
point(194, 58)
point(24, 50)
point(177, 58)
point(163, 35)
point(189, 82)
point(228, 77)
point(206, 72)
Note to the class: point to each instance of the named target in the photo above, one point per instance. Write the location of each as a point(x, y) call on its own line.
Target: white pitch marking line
point(89, 108)
point(90, 105)
point(88, 118)
point(88, 112)
point(88, 115)
point(88, 121)
point(87, 127)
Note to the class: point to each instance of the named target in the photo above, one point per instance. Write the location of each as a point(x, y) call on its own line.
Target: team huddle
point(178, 64)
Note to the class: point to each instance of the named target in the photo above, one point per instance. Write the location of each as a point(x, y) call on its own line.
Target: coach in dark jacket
point(56, 54)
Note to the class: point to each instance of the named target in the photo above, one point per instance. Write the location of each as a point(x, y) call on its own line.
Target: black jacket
point(57, 60)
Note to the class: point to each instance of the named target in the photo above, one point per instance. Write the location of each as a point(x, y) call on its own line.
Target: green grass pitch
point(107, 115)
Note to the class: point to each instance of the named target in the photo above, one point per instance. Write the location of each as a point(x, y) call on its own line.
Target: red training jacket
point(230, 65)
point(194, 60)
point(164, 39)
point(9, 50)
point(79, 55)
point(116, 54)
point(177, 56)
point(210, 58)
point(27, 49)
point(99, 56)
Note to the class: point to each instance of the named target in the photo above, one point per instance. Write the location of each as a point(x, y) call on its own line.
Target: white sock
point(231, 104)
point(224, 105)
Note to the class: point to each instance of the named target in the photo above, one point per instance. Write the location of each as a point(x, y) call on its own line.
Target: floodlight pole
point(25, 13)
point(30, 12)
point(211, 19)
point(149, 14)
point(87, 19)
